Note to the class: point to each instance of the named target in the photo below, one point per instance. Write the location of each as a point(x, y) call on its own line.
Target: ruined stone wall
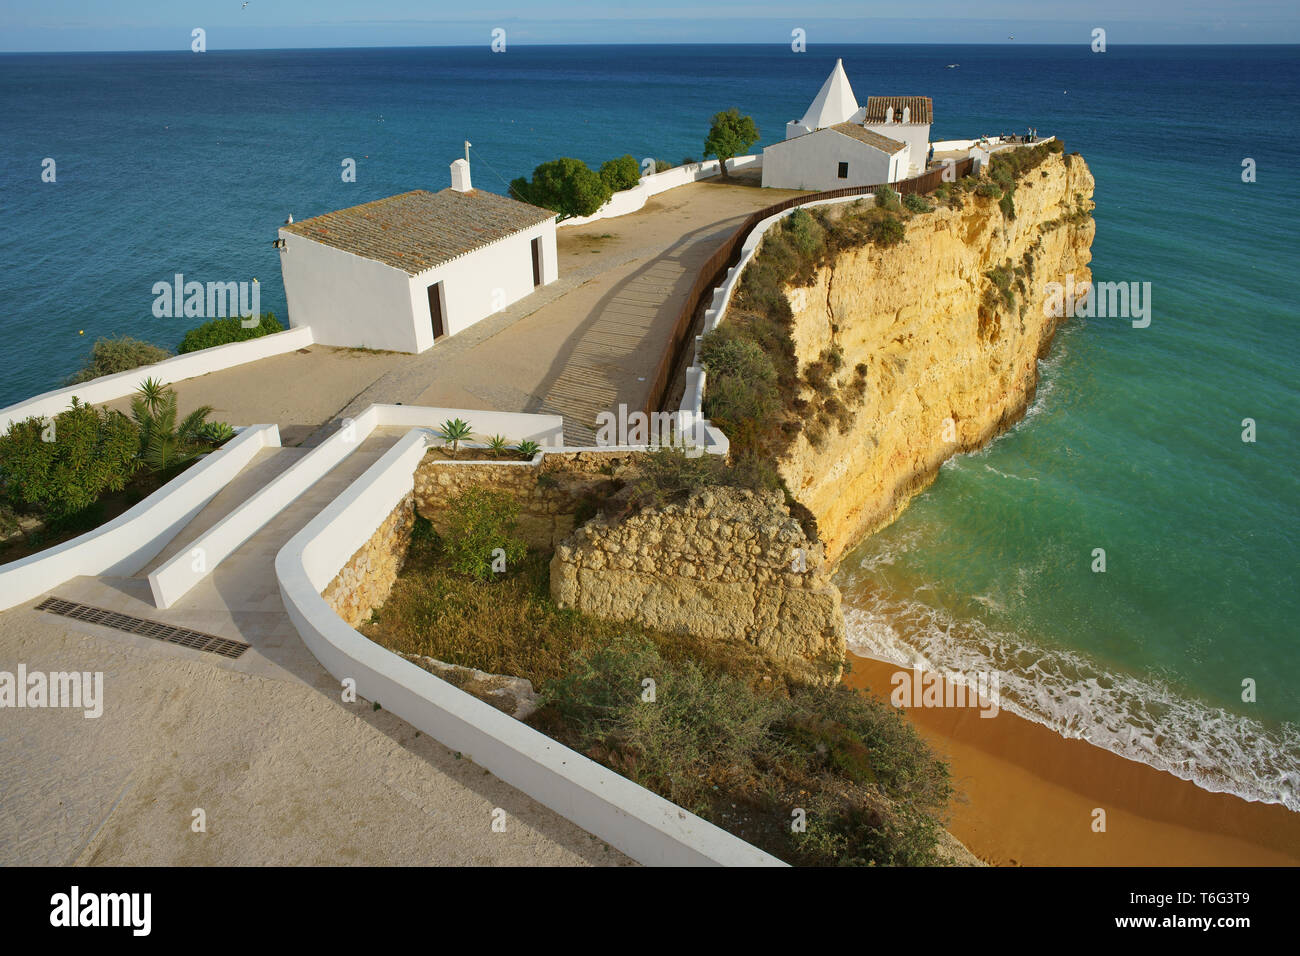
point(727, 564)
point(368, 577)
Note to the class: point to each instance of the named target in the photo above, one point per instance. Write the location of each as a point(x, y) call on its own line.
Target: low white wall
point(124, 545)
point(630, 200)
point(192, 364)
point(174, 578)
point(646, 827)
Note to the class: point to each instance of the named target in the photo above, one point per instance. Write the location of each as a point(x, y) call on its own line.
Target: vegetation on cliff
point(726, 733)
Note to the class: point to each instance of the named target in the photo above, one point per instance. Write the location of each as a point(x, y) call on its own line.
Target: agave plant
point(528, 448)
point(164, 443)
point(216, 432)
point(454, 431)
point(497, 444)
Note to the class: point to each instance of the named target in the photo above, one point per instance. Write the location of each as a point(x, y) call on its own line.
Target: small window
point(844, 170)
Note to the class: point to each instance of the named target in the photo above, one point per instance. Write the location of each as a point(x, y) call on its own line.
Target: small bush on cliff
point(887, 199)
point(887, 232)
point(109, 356)
point(481, 531)
point(915, 202)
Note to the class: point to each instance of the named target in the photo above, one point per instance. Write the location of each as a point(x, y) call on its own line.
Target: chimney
point(460, 176)
point(889, 114)
point(907, 114)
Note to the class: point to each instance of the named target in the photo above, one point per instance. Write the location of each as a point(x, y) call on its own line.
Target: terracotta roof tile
point(882, 143)
point(418, 230)
point(922, 109)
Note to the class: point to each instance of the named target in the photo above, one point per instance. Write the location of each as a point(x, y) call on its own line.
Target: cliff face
point(950, 359)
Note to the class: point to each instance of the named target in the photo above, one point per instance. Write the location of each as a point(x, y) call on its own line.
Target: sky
point(101, 25)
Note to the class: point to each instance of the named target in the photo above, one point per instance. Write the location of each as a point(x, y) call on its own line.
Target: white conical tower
point(834, 103)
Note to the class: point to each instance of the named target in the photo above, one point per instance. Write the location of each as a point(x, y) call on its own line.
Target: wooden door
point(435, 311)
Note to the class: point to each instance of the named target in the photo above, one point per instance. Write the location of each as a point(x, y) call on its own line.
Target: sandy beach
point(1027, 796)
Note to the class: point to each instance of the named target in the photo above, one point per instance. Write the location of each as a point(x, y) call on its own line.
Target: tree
point(621, 173)
point(730, 135)
point(566, 185)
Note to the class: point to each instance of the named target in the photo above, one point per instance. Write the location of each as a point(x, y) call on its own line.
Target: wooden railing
point(725, 257)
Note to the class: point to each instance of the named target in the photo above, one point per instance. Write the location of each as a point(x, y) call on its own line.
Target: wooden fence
point(725, 257)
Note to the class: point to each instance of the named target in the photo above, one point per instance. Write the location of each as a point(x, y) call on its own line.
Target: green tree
point(63, 465)
point(621, 173)
point(566, 185)
point(730, 134)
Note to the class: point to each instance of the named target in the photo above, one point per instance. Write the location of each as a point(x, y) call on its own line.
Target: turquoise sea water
point(188, 162)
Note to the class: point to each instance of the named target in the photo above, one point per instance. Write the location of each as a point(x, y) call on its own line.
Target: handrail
point(726, 255)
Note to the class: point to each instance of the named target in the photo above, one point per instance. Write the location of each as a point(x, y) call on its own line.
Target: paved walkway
point(285, 772)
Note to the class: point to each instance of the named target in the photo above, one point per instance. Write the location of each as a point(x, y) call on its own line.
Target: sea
point(1184, 653)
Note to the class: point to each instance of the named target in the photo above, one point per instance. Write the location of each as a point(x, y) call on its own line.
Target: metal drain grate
point(138, 625)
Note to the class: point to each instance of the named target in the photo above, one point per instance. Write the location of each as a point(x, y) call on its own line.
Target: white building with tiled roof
point(838, 143)
point(402, 272)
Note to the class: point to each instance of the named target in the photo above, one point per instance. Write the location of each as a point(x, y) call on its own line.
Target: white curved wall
point(630, 200)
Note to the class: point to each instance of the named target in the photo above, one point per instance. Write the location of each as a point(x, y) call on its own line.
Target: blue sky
point(66, 25)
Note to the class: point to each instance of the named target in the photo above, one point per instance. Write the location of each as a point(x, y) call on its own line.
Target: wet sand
point(1027, 796)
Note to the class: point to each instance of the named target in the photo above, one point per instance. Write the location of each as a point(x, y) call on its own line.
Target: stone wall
point(727, 564)
point(550, 494)
point(368, 577)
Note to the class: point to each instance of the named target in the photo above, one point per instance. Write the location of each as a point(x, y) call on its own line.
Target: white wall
point(630, 200)
point(127, 543)
point(191, 364)
point(643, 825)
point(352, 301)
point(812, 162)
point(348, 300)
point(915, 135)
point(482, 282)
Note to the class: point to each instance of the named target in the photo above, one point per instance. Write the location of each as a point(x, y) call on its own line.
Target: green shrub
point(662, 166)
point(109, 356)
point(988, 191)
point(621, 173)
point(65, 468)
point(566, 185)
point(165, 443)
point(1008, 206)
point(479, 522)
point(528, 449)
point(725, 352)
point(806, 234)
point(216, 432)
point(887, 232)
point(225, 331)
point(917, 203)
point(887, 199)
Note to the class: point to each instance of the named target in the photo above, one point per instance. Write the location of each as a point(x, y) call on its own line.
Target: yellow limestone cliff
point(950, 362)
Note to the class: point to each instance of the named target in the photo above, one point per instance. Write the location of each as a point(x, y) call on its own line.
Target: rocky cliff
point(949, 353)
